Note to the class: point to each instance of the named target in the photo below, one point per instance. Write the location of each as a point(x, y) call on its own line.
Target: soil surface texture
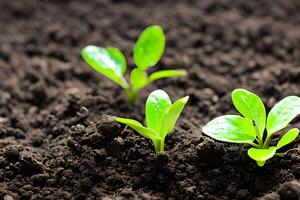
point(58, 137)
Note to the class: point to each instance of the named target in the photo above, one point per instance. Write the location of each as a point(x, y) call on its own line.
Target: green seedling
point(250, 129)
point(146, 53)
point(161, 117)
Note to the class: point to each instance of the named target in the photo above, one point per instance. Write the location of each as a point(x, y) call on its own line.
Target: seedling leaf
point(236, 129)
point(282, 114)
point(261, 155)
point(173, 114)
point(138, 79)
point(157, 105)
point(147, 52)
point(138, 127)
point(149, 47)
point(166, 74)
point(231, 128)
point(108, 61)
point(251, 107)
point(287, 138)
point(161, 115)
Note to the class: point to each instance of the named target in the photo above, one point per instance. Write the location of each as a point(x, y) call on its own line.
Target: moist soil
point(58, 138)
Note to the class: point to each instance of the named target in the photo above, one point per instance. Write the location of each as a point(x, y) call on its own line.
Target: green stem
point(280, 154)
point(259, 138)
point(132, 96)
point(159, 145)
point(267, 141)
point(283, 154)
point(255, 145)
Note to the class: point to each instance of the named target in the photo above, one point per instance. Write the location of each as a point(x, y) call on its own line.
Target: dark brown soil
point(58, 139)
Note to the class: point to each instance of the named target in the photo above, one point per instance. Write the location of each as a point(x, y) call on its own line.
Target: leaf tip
point(159, 93)
point(88, 49)
point(154, 26)
point(185, 99)
point(183, 72)
point(239, 91)
point(205, 129)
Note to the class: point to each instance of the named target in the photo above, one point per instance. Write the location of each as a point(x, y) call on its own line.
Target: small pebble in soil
point(100, 154)
point(107, 126)
point(115, 147)
point(8, 197)
point(39, 179)
point(290, 190)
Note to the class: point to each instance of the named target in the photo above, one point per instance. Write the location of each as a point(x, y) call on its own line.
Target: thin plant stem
point(267, 141)
point(131, 95)
point(259, 138)
point(255, 145)
point(159, 145)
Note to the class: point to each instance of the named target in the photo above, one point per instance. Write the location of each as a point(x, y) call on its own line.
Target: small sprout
point(250, 129)
point(147, 52)
point(161, 117)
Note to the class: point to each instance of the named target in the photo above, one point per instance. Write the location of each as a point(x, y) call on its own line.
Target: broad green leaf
point(166, 74)
point(173, 114)
point(108, 61)
point(283, 113)
point(251, 107)
point(138, 79)
point(231, 128)
point(261, 155)
point(287, 138)
point(157, 105)
point(149, 47)
point(138, 127)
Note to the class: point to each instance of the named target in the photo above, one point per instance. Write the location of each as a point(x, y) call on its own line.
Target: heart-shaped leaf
point(231, 128)
point(157, 105)
point(287, 138)
point(282, 114)
point(108, 61)
point(261, 155)
point(251, 107)
point(149, 47)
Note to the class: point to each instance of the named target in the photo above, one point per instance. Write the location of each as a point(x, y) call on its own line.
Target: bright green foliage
point(287, 138)
point(161, 117)
point(251, 107)
point(261, 155)
point(250, 129)
point(149, 47)
point(147, 52)
point(239, 129)
point(107, 61)
point(283, 113)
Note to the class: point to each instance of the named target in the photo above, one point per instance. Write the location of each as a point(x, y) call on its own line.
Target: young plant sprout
point(250, 129)
point(146, 53)
point(161, 117)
